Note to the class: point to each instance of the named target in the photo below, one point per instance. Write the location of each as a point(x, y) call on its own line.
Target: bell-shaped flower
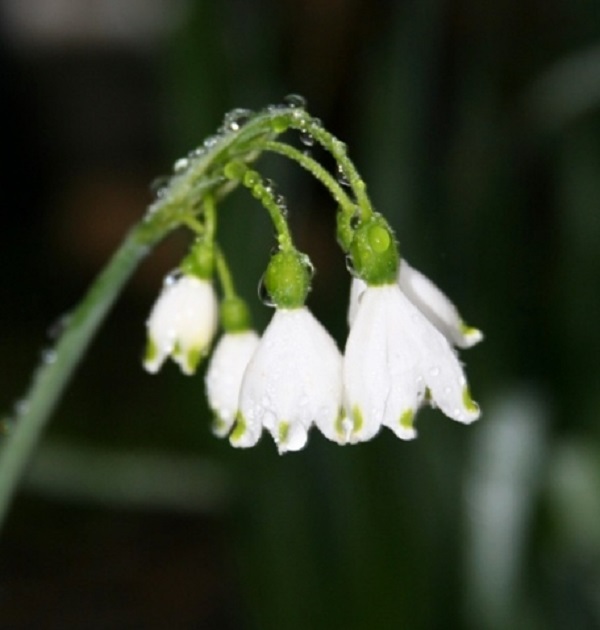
point(294, 379)
point(426, 296)
point(224, 376)
point(395, 359)
point(182, 324)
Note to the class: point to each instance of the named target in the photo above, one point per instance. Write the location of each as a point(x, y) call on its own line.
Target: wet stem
point(52, 376)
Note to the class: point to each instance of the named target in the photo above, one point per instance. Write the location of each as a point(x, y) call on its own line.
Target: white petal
point(292, 380)
point(438, 309)
point(182, 323)
point(367, 380)
point(357, 288)
point(224, 376)
point(435, 363)
point(393, 355)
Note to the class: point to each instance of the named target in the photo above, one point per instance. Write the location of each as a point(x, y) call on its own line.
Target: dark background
point(476, 125)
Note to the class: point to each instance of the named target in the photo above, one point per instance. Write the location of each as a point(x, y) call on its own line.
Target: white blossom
point(224, 376)
point(395, 358)
point(293, 380)
point(426, 296)
point(182, 324)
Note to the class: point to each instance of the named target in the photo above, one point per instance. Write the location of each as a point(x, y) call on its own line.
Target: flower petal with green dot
point(428, 298)
point(182, 324)
point(294, 378)
point(394, 357)
point(228, 363)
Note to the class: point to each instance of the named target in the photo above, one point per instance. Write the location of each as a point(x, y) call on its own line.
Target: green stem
point(338, 150)
point(316, 169)
point(224, 274)
point(51, 378)
point(172, 208)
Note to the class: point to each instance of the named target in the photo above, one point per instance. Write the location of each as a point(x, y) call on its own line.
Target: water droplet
point(447, 391)
point(307, 139)
point(57, 327)
point(295, 100)
point(269, 186)
point(158, 185)
point(350, 266)
point(236, 118)
point(21, 407)
point(196, 153)
point(172, 277)
point(48, 356)
point(266, 401)
point(434, 371)
point(210, 142)
point(281, 202)
point(263, 295)
point(342, 178)
point(180, 165)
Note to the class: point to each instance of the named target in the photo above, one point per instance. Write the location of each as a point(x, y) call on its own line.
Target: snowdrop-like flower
point(426, 296)
point(182, 324)
point(293, 380)
point(224, 376)
point(395, 357)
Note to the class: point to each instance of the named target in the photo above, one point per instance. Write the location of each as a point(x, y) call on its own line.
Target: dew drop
point(172, 277)
point(210, 142)
point(21, 407)
point(48, 356)
point(158, 185)
point(307, 139)
point(181, 164)
point(350, 266)
point(295, 100)
point(342, 178)
point(434, 371)
point(58, 326)
point(236, 119)
point(263, 294)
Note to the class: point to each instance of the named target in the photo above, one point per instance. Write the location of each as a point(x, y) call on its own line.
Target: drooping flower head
point(183, 320)
point(228, 363)
point(294, 378)
point(395, 358)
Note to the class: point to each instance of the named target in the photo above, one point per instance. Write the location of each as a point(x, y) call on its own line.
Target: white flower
point(224, 376)
point(293, 379)
point(395, 358)
point(438, 309)
point(182, 324)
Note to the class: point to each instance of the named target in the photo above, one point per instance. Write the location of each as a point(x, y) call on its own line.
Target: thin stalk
point(53, 375)
point(316, 169)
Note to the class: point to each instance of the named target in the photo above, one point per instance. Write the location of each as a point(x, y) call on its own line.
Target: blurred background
point(477, 127)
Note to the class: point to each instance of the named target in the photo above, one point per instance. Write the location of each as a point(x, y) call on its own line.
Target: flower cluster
point(398, 356)
point(400, 351)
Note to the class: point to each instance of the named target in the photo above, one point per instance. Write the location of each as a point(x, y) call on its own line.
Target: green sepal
point(235, 315)
point(287, 279)
point(374, 252)
point(200, 261)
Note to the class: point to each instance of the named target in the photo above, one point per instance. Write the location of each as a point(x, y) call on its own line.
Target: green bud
point(374, 252)
point(287, 279)
point(280, 124)
point(200, 261)
point(251, 178)
point(235, 315)
point(235, 170)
